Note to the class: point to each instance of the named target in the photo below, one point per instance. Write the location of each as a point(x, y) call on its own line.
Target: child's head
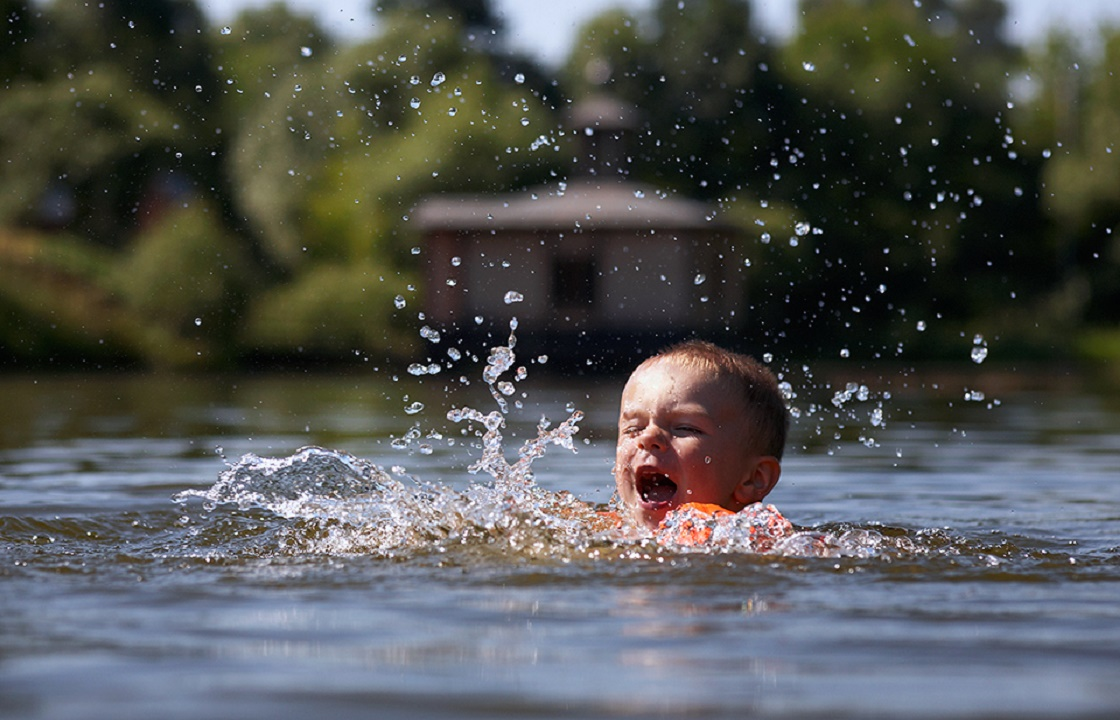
point(698, 423)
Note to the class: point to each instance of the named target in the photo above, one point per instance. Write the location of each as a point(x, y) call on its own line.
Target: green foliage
point(60, 308)
point(471, 13)
point(694, 71)
point(330, 311)
point(900, 155)
point(187, 275)
point(264, 49)
point(77, 129)
point(892, 162)
point(105, 102)
point(329, 167)
point(37, 321)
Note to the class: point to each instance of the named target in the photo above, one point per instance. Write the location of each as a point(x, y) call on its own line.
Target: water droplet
point(699, 279)
point(979, 354)
point(438, 79)
point(305, 51)
point(802, 229)
point(524, 122)
point(430, 334)
point(511, 297)
point(198, 88)
point(808, 66)
point(454, 353)
point(414, 408)
point(877, 417)
point(399, 302)
point(452, 112)
point(198, 322)
point(456, 261)
point(519, 78)
point(414, 102)
point(227, 30)
point(416, 250)
point(844, 352)
point(921, 326)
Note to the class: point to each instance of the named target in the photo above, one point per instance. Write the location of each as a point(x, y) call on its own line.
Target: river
point(973, 516)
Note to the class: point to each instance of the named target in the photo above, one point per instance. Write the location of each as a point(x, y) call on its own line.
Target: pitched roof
point(579, 205)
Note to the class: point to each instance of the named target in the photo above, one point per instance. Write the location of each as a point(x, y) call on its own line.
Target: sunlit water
point(169, 550)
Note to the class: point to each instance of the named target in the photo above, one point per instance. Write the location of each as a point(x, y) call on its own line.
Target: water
point(149, 569)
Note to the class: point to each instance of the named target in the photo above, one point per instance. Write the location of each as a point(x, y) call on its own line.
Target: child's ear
point(760, 481)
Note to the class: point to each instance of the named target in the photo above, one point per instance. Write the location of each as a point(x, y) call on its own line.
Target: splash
point(328, 502)
point(319, 501)
point(337, 503)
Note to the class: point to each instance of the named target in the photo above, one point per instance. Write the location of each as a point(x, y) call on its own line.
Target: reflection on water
point(398, 581)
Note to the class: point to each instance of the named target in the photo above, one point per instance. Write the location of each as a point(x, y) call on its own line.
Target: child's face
point(683, 437)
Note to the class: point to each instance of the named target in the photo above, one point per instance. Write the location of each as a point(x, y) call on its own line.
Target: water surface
point(986, 584)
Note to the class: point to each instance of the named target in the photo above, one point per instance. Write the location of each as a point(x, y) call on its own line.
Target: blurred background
point(195, 185)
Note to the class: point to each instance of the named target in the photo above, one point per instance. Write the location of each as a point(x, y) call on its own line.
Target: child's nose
point(652, 438)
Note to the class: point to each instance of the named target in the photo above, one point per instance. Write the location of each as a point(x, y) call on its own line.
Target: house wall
point(502, 263)
point(647, 281)
point(644, 281)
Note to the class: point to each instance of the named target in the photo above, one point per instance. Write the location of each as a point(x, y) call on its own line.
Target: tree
point(330, 165)
point(472, 15)
point(700, 73)
point(901, 158)
point(1082, 179)
point(116, 96)
point(17, 35)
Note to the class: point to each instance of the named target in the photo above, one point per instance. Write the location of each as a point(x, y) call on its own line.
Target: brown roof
point(578, 205)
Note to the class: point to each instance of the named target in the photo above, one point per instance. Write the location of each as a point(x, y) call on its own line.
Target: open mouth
point(656, 489)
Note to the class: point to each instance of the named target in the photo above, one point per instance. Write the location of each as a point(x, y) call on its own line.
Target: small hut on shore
point(603, 264)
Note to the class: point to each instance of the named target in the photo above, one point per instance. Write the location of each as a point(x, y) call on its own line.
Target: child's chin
point(651, 514)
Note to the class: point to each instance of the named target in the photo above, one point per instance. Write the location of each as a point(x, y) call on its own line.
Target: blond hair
point(763, 401)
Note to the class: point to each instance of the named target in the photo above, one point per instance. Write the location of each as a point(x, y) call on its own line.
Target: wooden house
point(601, 262)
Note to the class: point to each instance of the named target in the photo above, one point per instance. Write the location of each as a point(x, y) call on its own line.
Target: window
point(573, 282)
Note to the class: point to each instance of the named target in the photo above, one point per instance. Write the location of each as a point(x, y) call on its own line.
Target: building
point(604, 265)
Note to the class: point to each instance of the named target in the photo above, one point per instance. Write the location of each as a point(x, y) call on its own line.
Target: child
point(701, 432)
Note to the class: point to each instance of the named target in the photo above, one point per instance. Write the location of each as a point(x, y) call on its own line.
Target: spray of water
point(323, 501)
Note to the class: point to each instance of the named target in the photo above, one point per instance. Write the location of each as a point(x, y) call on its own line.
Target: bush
point(187, 275)
point(330, 311)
